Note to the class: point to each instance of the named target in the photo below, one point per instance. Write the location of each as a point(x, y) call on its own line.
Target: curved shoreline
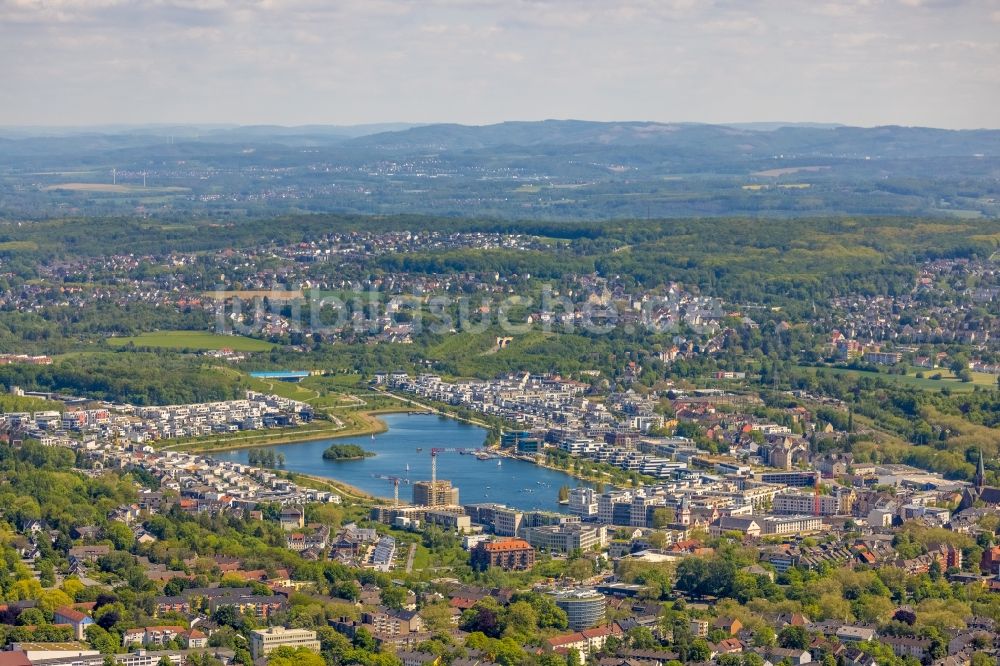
point(372, 426)
point(345, 489)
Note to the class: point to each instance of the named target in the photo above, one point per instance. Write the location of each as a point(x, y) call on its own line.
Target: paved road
point(434, 410)
point(409, 558)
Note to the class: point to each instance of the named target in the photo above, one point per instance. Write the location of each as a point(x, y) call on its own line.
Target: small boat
point(373, 437)
point(419, 449)
point(499, 463)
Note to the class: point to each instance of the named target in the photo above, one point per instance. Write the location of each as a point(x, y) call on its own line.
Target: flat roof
point(54, 647)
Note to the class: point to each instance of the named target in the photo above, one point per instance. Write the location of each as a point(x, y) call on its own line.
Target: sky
point(291, 62)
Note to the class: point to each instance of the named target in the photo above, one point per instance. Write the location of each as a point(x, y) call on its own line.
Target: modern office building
point(790, 524)
point(805, 503)
point(584, 608)
point(263, 641)
point(583, 502)
point(507, 522)
point(567, 537)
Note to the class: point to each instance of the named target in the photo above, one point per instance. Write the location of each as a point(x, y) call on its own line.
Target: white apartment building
point(583, 502)
point(263, 641)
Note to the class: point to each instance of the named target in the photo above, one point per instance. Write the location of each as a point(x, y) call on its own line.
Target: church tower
point(980, 472)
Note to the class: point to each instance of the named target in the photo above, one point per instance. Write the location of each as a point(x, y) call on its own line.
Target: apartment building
point(263, 641)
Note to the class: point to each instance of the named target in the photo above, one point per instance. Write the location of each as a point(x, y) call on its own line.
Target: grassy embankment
point(910, 380)
point(347, 414)
point(200, 340)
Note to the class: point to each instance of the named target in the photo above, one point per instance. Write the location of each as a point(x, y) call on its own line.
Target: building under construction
point(434, 493)
point(450, 518)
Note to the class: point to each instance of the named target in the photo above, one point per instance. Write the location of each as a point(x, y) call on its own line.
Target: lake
point(514, 482)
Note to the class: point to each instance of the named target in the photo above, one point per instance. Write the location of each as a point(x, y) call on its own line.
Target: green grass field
point(18, 246)
point(924, 383)
point(192, 340)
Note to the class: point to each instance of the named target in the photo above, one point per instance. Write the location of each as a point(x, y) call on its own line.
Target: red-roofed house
point(78, 620)
point(585, 642)
point(192, 639)
point(14, 658)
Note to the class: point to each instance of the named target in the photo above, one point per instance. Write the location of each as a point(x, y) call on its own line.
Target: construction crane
point(395, 485)
point(451, 449)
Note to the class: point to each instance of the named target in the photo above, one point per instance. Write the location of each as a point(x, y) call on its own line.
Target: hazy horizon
point(72, 63)
point(764, 125)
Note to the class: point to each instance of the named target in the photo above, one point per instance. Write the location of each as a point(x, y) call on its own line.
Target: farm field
point(192, 340)
point(109, 188)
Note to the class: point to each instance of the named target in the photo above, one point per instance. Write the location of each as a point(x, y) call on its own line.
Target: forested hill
point(546, 170)
point(887, 141)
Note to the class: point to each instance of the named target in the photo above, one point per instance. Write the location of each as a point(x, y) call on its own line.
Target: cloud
point(739, 25)
point(303, 61)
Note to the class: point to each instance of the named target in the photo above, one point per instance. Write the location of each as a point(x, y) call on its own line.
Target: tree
point(982, 659)
point(483, 617)
point(287, 656)
point(699, 650)
point(50, 600)
point(521, 618)
point(764, 636)
point(393, 596)
point(437, 616)
point(691, 574)
point(873, 609)
point(641, 638)
point(72, 587)
point(242, 656)
point(31, 616)
point(793, 637)
point(108, 615)
point(663, 517)
point(657, 540)
point(551, 659)
point(120, 535)
point(550, 616)
point(363, 640)
point(580, 569)
point(230, 617)
point(101, 640)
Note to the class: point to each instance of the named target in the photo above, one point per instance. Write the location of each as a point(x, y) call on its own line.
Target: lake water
point(514, 482)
